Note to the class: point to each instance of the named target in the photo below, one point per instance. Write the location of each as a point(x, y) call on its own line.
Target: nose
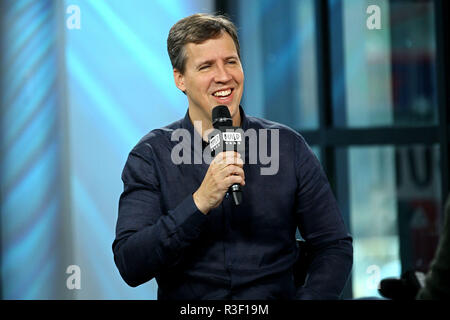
point(222, 75)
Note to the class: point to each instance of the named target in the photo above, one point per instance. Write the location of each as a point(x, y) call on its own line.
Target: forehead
point(211, 49)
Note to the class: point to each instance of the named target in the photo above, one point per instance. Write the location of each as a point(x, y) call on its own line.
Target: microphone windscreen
point(221, 116)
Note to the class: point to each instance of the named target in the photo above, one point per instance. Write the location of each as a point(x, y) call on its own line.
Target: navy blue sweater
point(243, 252)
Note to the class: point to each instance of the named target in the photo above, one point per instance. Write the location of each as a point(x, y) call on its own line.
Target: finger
point(234, 170)
point(232, 162)
point(225, 154)
point(223, 157)
point(227, 158)
point(230, 180)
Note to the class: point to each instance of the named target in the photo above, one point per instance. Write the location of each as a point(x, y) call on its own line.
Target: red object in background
point(424, 226)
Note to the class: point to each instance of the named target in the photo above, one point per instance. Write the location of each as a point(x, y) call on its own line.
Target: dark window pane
point(279, 60)
point(394, 211)
point(383, 76)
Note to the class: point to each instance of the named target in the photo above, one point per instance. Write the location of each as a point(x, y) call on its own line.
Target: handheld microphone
point(222, 121)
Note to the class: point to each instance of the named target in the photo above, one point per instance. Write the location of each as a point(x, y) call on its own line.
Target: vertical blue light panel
point(30, 164)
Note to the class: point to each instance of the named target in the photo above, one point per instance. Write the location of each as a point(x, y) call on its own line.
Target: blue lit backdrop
point(74, 103)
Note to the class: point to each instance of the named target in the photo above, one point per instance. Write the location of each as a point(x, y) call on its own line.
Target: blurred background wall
point(83, 80)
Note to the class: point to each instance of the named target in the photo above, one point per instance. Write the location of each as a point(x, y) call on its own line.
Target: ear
point(179, 80)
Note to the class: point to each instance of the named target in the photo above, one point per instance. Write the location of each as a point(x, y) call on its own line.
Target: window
point(371, 103)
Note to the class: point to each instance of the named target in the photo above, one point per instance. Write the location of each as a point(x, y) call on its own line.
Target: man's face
point(213, 76)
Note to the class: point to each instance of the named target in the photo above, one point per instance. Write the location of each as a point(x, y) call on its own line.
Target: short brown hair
point(197, 28)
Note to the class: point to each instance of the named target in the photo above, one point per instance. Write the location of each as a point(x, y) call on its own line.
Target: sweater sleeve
point(320, 223)
point(148, 239)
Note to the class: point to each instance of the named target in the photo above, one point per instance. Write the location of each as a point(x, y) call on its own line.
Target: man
point(177, 223)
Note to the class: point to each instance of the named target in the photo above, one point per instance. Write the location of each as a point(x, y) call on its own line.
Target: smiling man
point(176, 221)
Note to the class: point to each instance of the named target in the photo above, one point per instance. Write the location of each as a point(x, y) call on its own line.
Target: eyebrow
point(212, 61)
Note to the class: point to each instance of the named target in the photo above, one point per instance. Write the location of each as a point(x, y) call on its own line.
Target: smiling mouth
point(222, 93)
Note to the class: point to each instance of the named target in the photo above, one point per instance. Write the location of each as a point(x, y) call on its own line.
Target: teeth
point(223, 93)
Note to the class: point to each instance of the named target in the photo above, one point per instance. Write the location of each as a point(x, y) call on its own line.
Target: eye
point(232, 61)
point(204, 67)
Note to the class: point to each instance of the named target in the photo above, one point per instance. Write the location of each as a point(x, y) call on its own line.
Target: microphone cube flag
point(227, 139)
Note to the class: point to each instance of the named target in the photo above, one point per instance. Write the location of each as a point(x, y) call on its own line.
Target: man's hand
point(224, 171)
